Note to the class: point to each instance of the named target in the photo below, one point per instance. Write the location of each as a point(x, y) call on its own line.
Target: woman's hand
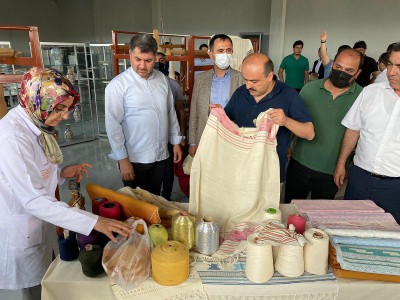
point(76, 171)
point(108, 226)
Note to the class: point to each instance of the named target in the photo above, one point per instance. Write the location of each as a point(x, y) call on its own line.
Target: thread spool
point(68, 246)
point(183, 229)
point(96, 203)
point(170, 263)
point(272, 213)
point(259, 260)
point(316, 252)
point(290, 260)
point(90, 259)
point(110, 209)
point(207, 236)
point(298, 221)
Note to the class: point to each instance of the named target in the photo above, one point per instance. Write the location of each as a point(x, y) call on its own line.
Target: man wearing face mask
point(372, 126)
point(214, 86)
point(327, 100)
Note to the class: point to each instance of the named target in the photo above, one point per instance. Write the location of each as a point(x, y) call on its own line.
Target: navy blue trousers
point(385, 192)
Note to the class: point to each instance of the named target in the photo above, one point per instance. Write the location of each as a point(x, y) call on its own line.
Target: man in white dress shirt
point(373, 125)
point(141, 118)
point(382, 65)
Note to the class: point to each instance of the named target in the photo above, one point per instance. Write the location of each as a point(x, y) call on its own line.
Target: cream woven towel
point(235, 175)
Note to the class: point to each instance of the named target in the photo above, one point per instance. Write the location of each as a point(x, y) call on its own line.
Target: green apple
point(158, 234)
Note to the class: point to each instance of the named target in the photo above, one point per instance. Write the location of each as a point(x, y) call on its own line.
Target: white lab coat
point(27, 204)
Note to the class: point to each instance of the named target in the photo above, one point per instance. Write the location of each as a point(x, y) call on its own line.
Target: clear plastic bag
point(128, 262)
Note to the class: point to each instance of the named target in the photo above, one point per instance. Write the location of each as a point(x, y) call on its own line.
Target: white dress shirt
point(376, 114)
point(140, 117)
point(27, 204)
point(381, 77)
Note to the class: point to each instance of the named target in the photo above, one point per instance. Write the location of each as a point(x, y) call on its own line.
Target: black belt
point(382, 176)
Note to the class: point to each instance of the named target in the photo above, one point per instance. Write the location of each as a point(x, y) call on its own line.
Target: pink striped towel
point(359, 206)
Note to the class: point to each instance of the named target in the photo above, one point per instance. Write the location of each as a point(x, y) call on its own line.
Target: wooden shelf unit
point(35, 60)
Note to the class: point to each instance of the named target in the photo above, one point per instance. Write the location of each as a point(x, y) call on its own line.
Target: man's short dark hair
point(299, 42)
point(268, 67)
point(383, 58)
point(145, 42)
point(221, 36)
point(360, 44)
point(390, 47)
point(203, 45)
point(395, 48)
point(343, 47)
point(355, 52)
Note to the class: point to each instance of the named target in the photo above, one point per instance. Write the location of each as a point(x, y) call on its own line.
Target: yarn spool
point(299, 223)
point(183, 229)
point(170, 263)
point(207, 236)
point(110, 209)
point(94, 238)
point(259, 260)
point(90, 259)
point(158, 234)
point(96, 204)
point(68, 246)
point(272, 213)
point(290, 260)
point(316, 252)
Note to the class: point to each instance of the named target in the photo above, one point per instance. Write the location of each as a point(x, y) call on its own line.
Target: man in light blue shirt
point(141, 118)
point(214, 86)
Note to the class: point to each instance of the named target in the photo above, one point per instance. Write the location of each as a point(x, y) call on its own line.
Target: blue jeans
point(385, 192)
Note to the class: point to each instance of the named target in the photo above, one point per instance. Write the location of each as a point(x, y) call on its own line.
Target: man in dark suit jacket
point(318, 68)
point(214, 86)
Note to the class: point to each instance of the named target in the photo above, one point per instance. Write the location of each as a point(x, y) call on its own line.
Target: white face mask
point(223, 60)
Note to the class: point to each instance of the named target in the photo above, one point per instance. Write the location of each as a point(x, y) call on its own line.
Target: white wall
point(375, 22)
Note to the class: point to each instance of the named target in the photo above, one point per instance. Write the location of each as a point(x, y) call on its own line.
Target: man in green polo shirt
point(327, 101)
point(296, 68)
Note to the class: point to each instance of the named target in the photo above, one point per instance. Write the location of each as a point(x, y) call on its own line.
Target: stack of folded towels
point(365, 241)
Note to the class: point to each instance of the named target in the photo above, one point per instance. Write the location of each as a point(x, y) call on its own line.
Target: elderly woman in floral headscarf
point(29, 174)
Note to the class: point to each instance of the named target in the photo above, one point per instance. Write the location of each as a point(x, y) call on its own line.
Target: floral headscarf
point(41, 91)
